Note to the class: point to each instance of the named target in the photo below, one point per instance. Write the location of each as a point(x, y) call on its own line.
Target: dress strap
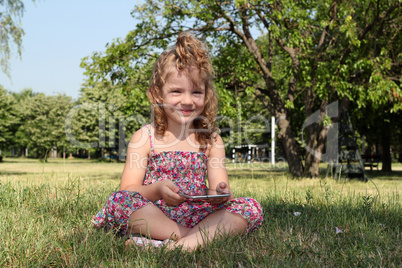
point(151, 140)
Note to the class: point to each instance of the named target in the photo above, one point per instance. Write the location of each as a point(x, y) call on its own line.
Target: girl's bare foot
point(144, 242)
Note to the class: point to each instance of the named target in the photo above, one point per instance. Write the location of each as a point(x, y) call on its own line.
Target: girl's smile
point(186, 111)
point(183, 101)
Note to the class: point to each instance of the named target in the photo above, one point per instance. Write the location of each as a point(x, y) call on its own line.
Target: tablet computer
point(205, 194)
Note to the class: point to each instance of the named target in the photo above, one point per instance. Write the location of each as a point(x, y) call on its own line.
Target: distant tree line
point(307, 55)
point(34, 124)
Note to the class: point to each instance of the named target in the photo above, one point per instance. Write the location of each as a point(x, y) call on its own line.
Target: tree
point(243, 119)
point(101, 119)
point(43, 128)
point(10, 30)
point(382, 131)
point(21, 138)
point(8, 119)
point(353, 61)
point(326, 49)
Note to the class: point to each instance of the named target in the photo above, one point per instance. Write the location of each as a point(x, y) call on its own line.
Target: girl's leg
point(220, 222)
point(151, 221)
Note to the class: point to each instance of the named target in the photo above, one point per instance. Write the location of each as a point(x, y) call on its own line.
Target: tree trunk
point(290, 146)
point(44, 156)
point(310, 166)
point(316, 141)
point(386, 147)
point(316, 137)
point(309, 169)
point(285, 136)
point(285, 132)
point(103, 153)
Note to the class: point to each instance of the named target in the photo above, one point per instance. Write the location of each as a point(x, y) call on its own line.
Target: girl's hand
point(221, 188)
point(169, 193)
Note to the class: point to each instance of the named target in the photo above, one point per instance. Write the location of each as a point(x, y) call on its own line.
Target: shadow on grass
point(380, 175)
point(23, 160)
point(101, 177)
point(266, 173)
point(368, 236)
point(374, 174)
point(12, 161)
point(256, 174)
point(13, 173)
point(249, 169)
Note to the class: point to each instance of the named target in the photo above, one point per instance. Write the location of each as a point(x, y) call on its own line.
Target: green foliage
point(10, 30)
point(21, 138)
point(8, 119)
point(101, 118)
point(355, 59)
point(244, 120)
point(42, 122)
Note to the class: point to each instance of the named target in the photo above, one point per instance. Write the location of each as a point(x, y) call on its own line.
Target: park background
point(287, 59)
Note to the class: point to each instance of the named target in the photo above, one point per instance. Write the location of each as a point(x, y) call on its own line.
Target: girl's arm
point(135, 168)
point(216, 168)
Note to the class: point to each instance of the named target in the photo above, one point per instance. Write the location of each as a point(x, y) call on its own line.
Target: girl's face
point(183, 101)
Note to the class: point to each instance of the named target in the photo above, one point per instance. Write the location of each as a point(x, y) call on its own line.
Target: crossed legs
point(151, 221)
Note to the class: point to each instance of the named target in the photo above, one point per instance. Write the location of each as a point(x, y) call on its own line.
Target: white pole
point(273, 141)
point(26, 152)
point(233, 155)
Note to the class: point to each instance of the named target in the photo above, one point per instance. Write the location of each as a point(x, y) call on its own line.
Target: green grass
point(45, 213)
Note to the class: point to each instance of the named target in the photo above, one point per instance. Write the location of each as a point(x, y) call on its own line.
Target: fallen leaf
point(338, 231)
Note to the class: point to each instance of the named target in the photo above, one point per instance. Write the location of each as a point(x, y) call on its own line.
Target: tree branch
point(261, 94)
point(323, 34)
point(377, 20)
point(296, 65)
point(262, 18)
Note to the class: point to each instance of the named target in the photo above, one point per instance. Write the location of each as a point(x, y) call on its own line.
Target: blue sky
point(58, 34)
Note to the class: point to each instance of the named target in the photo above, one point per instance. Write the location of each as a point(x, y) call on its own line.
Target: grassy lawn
point(45, 213)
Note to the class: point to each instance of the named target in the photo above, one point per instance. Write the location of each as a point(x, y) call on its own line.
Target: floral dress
point(187, 170)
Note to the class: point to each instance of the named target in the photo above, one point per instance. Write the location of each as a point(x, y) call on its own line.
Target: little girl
point(173, 154)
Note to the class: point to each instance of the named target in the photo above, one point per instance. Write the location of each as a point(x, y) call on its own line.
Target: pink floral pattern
point(187, 170)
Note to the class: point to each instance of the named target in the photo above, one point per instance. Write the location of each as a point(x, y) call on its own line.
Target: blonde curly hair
point(189, 55)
